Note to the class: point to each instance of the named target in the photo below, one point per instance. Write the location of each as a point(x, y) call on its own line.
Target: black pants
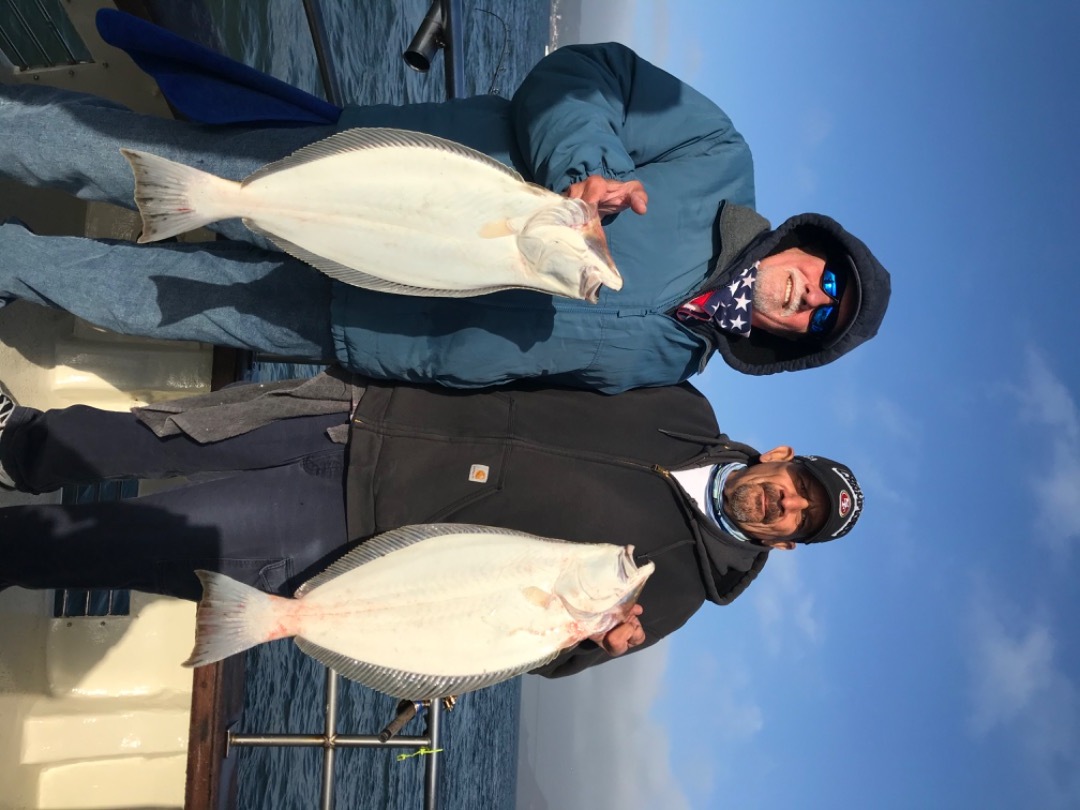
point(268, 507)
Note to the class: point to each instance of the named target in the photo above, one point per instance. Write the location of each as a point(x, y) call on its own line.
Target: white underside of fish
point(429, 611)
point(395, 211)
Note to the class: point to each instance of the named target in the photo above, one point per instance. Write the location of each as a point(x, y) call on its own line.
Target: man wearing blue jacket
point(703, 272)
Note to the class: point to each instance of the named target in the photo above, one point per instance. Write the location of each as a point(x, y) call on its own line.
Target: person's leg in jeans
point(273, 528)
point(225, 293)
point(43, 451)
point(55, 138)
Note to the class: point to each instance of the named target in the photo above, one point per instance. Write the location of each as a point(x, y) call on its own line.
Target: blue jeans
point(242, 293)
point(272, 515)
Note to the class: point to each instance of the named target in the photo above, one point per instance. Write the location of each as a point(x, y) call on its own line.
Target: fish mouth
point(593, 279)
point(627, 567)
point(596, 242)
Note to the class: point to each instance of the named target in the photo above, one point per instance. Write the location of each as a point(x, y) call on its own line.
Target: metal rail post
point(330, 741)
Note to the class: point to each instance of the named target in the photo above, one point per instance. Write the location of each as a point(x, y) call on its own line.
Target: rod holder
point(429, 37)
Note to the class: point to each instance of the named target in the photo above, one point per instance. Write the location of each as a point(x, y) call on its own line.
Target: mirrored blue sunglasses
point(823, 319)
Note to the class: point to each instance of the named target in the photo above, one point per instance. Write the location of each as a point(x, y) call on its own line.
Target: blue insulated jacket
point(583, 110)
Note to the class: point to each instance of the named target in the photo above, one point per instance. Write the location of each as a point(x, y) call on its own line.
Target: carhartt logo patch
point(479, 473)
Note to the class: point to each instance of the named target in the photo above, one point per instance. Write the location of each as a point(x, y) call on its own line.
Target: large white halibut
point(394, 211)
point(429, 611)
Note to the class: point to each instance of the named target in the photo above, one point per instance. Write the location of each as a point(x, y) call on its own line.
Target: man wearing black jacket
point(648, 467)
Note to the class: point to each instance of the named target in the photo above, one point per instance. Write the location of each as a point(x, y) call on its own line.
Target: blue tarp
point(203, 85)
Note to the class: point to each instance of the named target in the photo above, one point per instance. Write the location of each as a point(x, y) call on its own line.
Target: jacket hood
point(745, 238)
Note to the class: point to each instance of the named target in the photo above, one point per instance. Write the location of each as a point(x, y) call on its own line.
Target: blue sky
point(927, 659)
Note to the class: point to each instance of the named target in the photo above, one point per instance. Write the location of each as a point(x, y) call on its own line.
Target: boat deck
point(94, 705)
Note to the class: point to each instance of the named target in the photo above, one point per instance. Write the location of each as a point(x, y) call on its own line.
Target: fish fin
point(388, 542)
point(532, 250)
point(358, 278)
point(352, 140)
point(231, 618)
point(538, 596)
point(412, 685)
point(172, 198)
point(566, 213)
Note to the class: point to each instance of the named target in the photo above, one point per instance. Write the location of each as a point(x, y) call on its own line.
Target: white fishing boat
point(94, 709)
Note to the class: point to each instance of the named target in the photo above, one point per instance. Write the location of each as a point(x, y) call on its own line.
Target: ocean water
point(284, 691)
point(503, 39)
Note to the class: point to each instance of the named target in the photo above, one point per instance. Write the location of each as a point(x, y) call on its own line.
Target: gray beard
point(742, 505)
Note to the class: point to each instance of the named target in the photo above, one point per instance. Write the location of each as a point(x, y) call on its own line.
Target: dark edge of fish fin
point(387, 542)
point(352, 140)
point(410, 685)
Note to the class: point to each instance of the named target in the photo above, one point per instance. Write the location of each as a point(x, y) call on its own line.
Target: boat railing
point(327, 72)
point(330, 740)
point(39, 35)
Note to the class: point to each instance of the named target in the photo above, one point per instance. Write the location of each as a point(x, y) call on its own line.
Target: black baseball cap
point(845, 497)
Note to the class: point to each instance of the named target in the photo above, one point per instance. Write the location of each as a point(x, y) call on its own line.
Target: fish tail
point(174, 198)
point(231, 618)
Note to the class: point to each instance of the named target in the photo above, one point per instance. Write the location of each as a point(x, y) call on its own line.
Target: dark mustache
point(772, 502)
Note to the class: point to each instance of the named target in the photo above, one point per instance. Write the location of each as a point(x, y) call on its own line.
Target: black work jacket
point(576, 465)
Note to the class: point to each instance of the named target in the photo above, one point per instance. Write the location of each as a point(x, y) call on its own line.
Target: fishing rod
point(505, 48)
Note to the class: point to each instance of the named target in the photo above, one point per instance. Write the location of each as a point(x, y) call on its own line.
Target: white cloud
point(884, 429)
point(785, 606)
point(883, 442)
point(1056, 492)
point(815, 127)
point(1021, 694)
point(590, 740)
point(735, 715)
point(818, 125)
point(1009, 670)
point(1047, 402)
point(710, 734)
point(899, 425)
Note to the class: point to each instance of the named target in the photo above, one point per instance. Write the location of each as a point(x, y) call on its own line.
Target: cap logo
point(849, 507)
